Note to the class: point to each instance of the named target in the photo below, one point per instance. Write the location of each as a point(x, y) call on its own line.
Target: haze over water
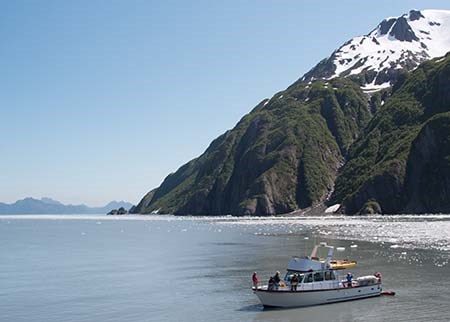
point(147, 268)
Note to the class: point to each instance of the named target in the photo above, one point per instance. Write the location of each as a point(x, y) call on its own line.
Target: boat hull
point(286, 299)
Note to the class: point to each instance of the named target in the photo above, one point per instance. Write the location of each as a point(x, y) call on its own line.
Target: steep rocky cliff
point(401, 163)
point(427, 182)
point(282, 156)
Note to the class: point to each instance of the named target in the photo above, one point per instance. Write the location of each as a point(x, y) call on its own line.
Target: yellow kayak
point(341, 264)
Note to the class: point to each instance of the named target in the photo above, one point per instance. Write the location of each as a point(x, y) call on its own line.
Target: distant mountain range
point(51, 206)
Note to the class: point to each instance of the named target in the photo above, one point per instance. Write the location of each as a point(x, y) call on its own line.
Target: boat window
point(308, 278)
point(329, 276)
point(318, 277)
point(288, 276)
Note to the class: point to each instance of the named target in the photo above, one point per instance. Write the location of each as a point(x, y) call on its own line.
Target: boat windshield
point(289, 275)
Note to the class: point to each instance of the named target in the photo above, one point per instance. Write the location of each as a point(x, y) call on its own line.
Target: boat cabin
point(318, 276)
point(314, 280)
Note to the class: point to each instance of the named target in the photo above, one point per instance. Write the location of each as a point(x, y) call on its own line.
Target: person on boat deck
point(277, 280)
point(255, 280)
point(349, 279)
point(294, 282)
point(378, 275)
point(271, 284)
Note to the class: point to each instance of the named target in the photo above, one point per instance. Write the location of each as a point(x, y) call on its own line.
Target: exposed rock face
point(402, 160)
point(427, 182)
point(144, 203)
point(386, 25)
point(282, 156)
point(371, 208)
point(403, 31)
point(120, 211)
point(415, 15)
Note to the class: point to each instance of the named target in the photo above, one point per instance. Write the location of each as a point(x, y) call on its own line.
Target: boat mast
point(329, 256)
point(330, 253)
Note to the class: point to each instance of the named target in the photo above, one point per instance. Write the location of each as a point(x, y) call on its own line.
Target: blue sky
point(100, 100)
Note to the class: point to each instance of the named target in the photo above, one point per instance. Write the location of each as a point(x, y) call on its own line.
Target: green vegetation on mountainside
point(380, 165)
point(282, 156)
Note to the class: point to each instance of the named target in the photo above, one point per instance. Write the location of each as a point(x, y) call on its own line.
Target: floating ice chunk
point(333, 208)
point(353, 246)
point(306, 238)
point(395, 246)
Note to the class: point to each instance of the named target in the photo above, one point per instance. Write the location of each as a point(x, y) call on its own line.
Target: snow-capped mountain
point(395, 45)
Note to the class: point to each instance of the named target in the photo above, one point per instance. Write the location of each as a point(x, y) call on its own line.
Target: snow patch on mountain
point(396, 44)
point(375, 87)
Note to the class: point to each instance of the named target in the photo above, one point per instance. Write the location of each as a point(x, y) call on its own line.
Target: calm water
point(102, 268)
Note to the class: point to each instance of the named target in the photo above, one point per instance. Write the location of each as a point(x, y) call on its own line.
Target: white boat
point(318, 283)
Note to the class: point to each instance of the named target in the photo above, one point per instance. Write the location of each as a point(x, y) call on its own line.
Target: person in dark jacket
point(277, 280)
point(294, 282)
point(271, 284)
